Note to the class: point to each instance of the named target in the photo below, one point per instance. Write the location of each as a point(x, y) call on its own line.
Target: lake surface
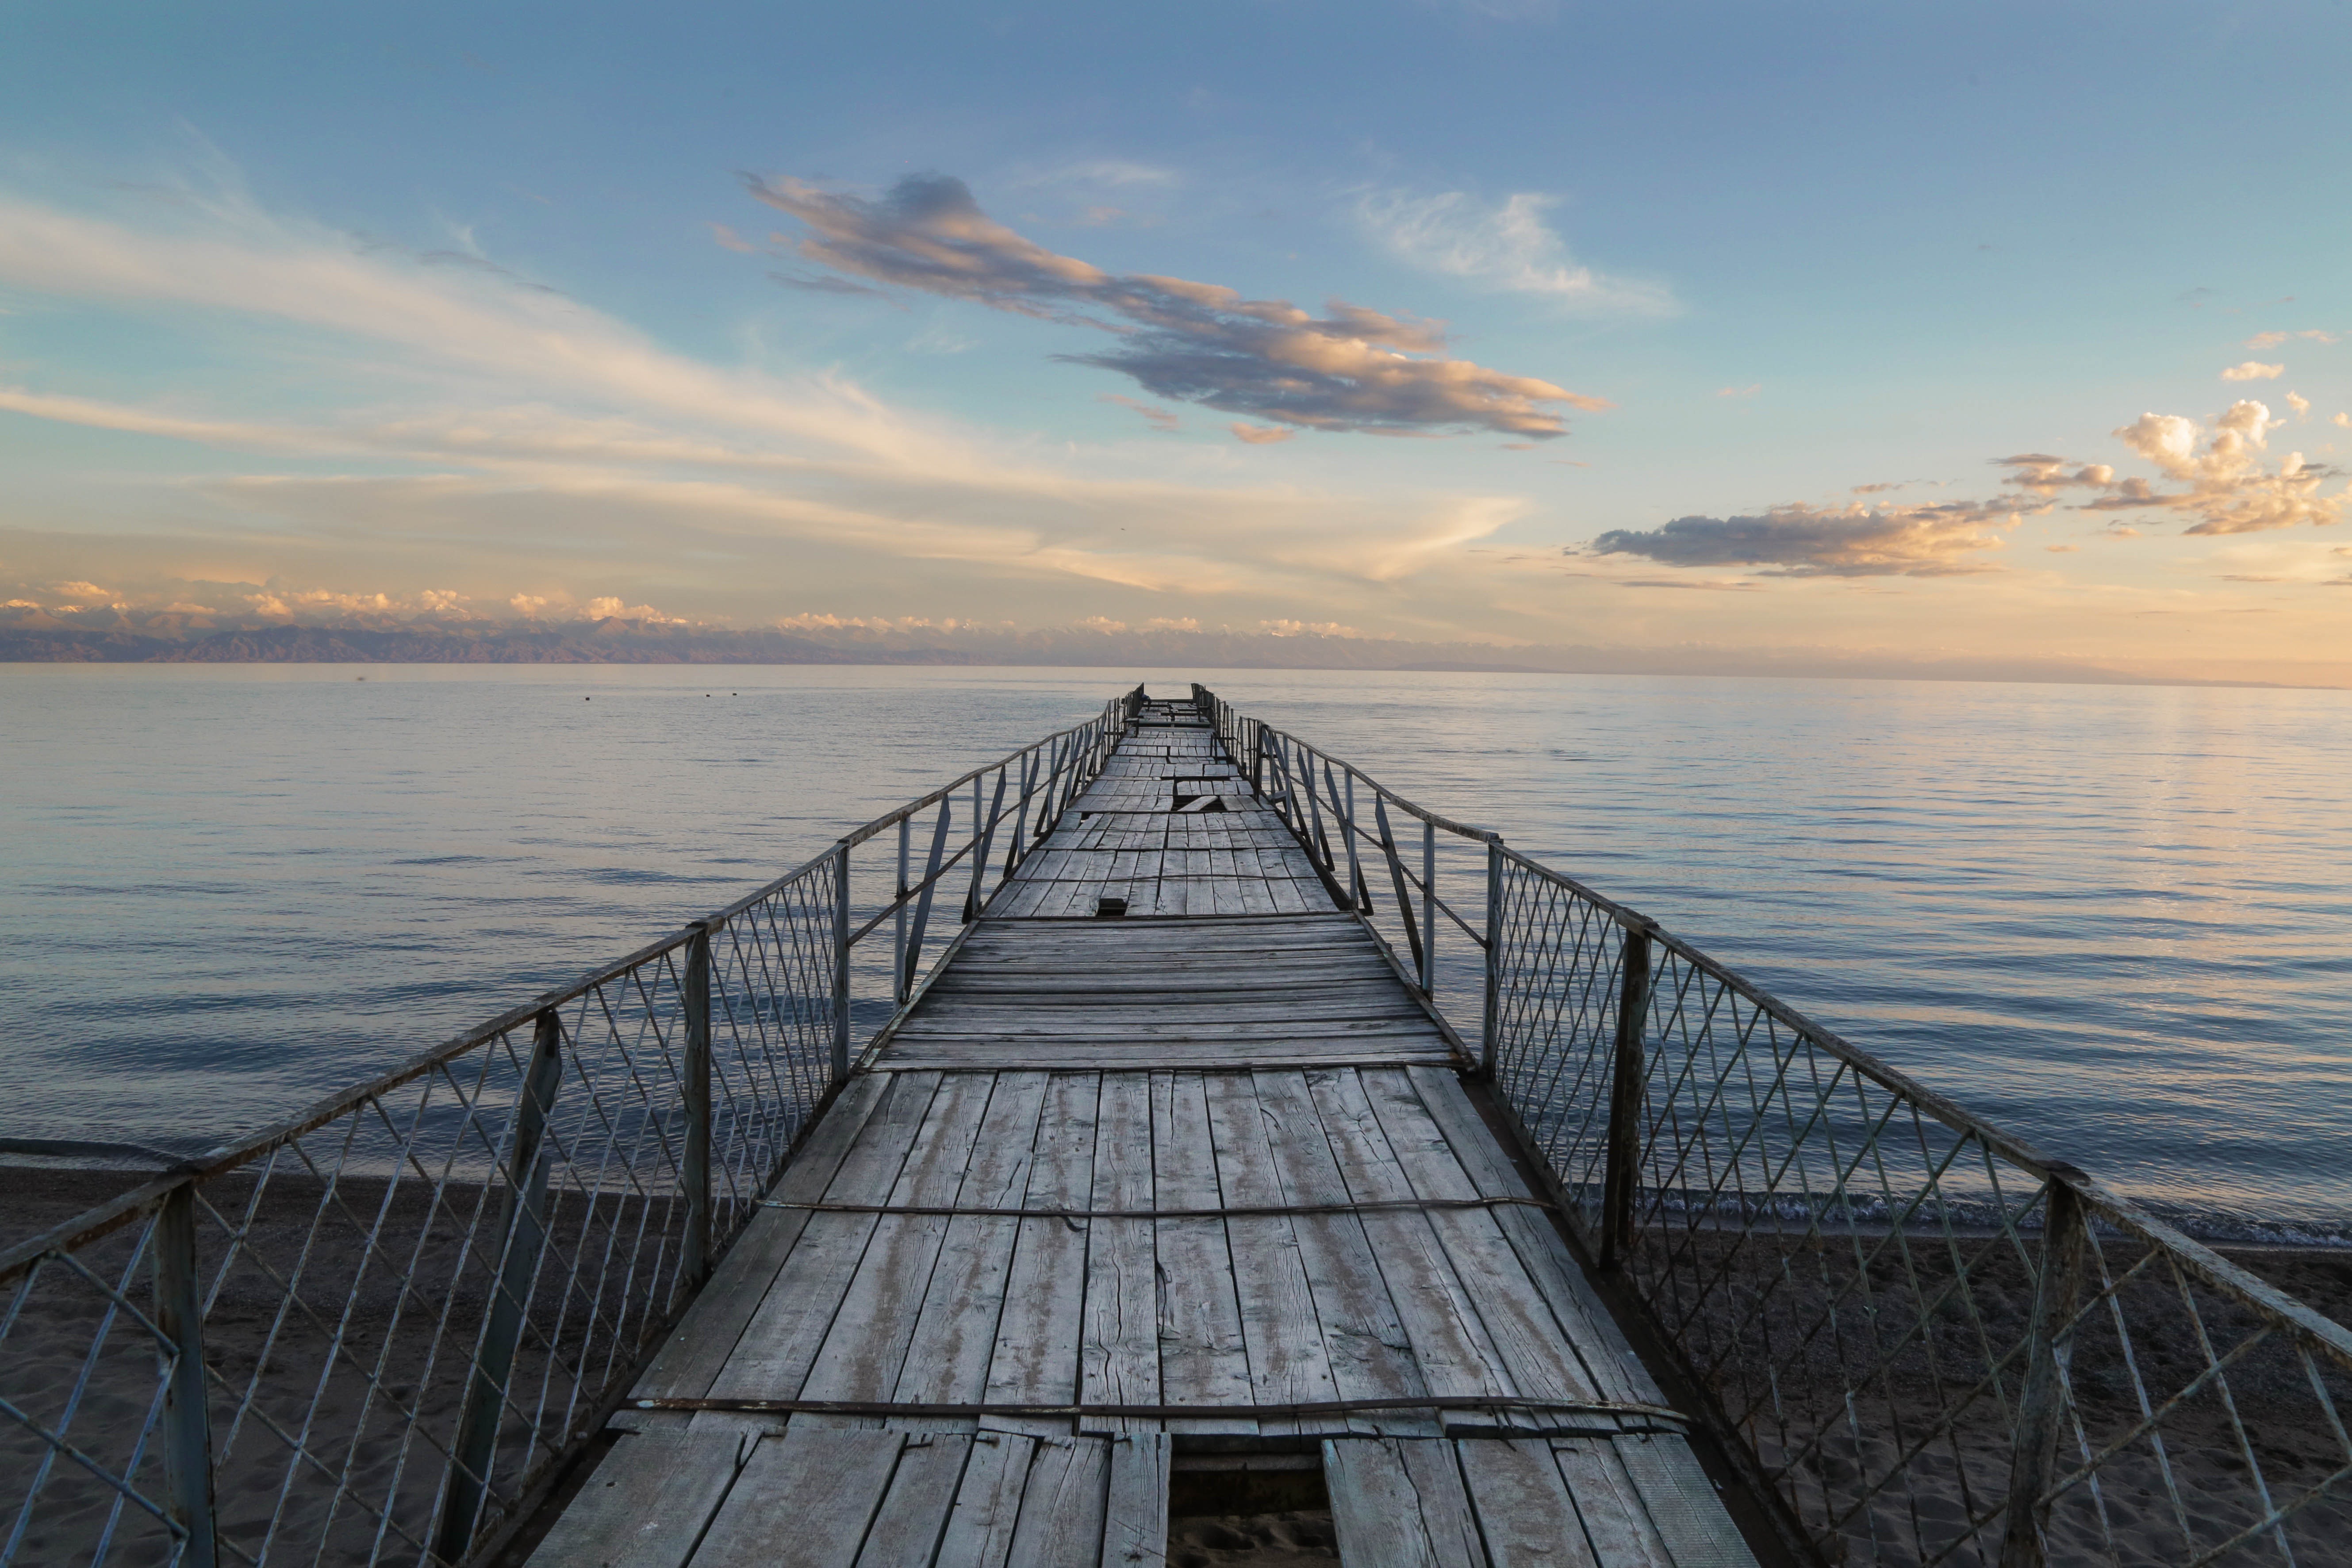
point(2117, 920)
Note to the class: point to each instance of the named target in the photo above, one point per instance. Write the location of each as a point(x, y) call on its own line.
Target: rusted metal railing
point(374, 1333)
point(1923, 1340)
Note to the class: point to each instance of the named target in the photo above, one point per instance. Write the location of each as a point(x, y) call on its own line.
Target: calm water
point(2117, 920)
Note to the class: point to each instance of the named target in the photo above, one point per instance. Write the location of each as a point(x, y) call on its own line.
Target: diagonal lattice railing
point(374, 1333)
point(1922, 1340)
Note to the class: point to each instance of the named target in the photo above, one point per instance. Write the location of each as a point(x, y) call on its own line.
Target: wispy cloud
point(1262, 435)
point(1506, 246)
point(1748, 390)
point(502, 442)
point(1157, 417)
point(2253, 370)
point(1801, 540)
point(1350, 369)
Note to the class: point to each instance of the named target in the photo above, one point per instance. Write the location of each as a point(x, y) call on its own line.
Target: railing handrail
point(110, 1216)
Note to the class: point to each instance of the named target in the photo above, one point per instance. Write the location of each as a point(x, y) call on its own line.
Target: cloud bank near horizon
point(1350, 369)
point(2227, 486)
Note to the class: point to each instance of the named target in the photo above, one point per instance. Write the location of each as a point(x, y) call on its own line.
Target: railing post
point(1396, 879)
point(2034, 1456)
point(1356, 898)
point(973, 900)
point(694, 1172)
point(913, 959)
point(841, 966)
point(898, 947)
point(1488, 1021)
point(1623, 1172)
point(187, 1429)
point(1428, 906)
point(522, 1232)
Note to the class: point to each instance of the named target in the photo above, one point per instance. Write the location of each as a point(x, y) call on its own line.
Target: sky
point(1927, 332)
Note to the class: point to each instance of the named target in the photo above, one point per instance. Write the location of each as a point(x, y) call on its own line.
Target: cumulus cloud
point(1268, 434)
point(1350, 369)
point(2300, 404)
point(610, 608)
point(1801, 540)
point(1506, 246)
point(2231, 487)
point(2253, 370)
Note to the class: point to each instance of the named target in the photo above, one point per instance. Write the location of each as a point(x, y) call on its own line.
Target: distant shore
point(156, 640)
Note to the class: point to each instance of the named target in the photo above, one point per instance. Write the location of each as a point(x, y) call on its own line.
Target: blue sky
point(369, 307)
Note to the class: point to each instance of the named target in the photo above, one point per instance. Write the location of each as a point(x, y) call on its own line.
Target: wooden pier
point(1166, 1171)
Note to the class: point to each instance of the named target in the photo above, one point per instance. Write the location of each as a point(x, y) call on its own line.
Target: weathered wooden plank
point(955, 1333)
point(1035, 1358)
point(914, 1512)
point(969, 1056)
point(803, 1501)
point(1135, 1527)
point(1119, 1347)
point(867, 1345)
point(1288, 1362)
point(1400, 1503)
point(1212, 1058)
point(1154, 991)
point(1450, 1344)
point(1609, 1363)
point(988, 1503)
point(1692, 1523)
point(1615, 1519)
point(690, 1358)
point(1062, 1513)
point(1534, 1347)
point(1202, 1355)
point(1523, 1507)
point(1134, 1027)
point(771, 1359)
point(1369, 1353)
point(646, 1503)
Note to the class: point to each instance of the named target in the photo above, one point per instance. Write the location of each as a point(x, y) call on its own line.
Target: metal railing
point(375, 1332)
point(1920, 1338)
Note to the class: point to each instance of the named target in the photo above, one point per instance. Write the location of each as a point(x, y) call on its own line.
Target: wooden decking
point(1116, 1193)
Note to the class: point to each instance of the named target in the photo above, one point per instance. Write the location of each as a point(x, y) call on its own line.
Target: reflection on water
point(2115, 919)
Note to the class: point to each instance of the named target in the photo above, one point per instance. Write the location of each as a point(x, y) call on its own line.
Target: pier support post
point(1623, 1172)
point(841, 964)
point(694, 1171)
point(2033, 1458)
point(187, 1429)
point(522, 1235)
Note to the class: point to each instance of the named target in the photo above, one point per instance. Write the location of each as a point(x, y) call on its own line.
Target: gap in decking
point(1256, 1510)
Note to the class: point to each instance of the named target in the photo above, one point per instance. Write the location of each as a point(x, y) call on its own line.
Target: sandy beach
point(325, 1403)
